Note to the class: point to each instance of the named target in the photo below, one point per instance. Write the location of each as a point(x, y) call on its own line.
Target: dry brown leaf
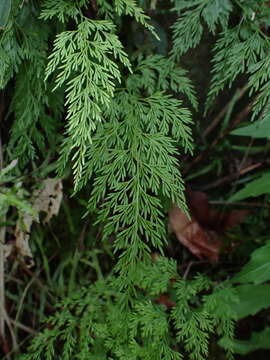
point(211, 218)
point(203, 233)
point(22, 235)
point(7, 250)
point(165, 300)
point(47, 199)
point(201, 243)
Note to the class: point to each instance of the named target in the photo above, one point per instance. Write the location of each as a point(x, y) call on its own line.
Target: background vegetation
point(134, 179)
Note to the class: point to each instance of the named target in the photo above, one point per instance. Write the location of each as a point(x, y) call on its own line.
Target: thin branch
point(23, 327)
point(231, 177)
point(240, 203)
point(2, 266)
point(242, 115)
point(223, 111)
point(13, 336)
point(189, 265)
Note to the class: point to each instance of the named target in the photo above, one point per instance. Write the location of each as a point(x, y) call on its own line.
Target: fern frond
point(86, 68)
point(116, 9)
point(130, 7)
point(259, 83)
point(141, 330)
point(137, 163)
point(237, 51)
point(62, 10)
point(214, 12)
point(156, 72)
point(30, 100)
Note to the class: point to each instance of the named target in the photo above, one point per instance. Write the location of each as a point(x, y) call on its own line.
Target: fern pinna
point(125, 127)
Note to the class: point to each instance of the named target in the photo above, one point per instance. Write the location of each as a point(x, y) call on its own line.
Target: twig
point(189, 265)
point(26, 338)
point(231, 177)
point(81, 238)
point(244, 159)
point(2, 284)
point(204, 153)
point(8, 322)
point(22, 300)
point(23, 327)
point(37, 280)
point(240, 203)
point(2, 268)
point(221, 114)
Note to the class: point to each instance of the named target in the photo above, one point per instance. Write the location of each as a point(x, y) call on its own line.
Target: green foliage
point(156, 72)
point(257, 130)
point(253, 296)
point(240, 49)
point(118, 115)
point(109, 329)
point(138, 145)
point(5, 8)
point(258, 340)
point(62, 10)
point(257, 187)
point(237, 51)
point(12, 193)
point(194, 327)
point(214, 13)
point(83, 55)
point(256, 270)
point(252, 299)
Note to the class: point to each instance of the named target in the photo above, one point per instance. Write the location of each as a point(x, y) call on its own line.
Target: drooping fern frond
point(33, 125)
point(124, 134)
point(86, 61)
point(243, 49)
point(25, 136)
point(259, 83)
point(191, 14)
point(10, 55)
point(213, 314)
point(240, 49)
point(15, 39)
point(144, 329)
point(137, 164)
point(115, 9)
point(156, 72)
point(237, 51)
point(63, 10)
point(130, 7)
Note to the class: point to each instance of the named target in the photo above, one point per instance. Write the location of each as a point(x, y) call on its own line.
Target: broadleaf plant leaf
point(257, 270)
point(259, 129)
point(257, 187)
point(252, 299)
point(258, 340)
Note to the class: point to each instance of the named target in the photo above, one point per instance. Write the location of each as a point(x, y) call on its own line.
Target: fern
point(253, 295)
point(125, 127)
point(137, 163)
point(156, 72)
point(141, 331)
point(11, 51)
point(83, 56)
point(237, 51)
point(62, 10)
point(214, 13)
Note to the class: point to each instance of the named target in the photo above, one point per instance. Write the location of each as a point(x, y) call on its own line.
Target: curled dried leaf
point(203, 233)
point(47, 199)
